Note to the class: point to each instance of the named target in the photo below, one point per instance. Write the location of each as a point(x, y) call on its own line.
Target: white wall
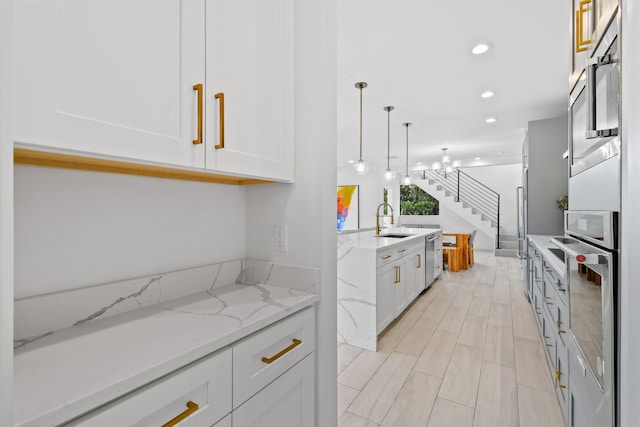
point(6, 221)
point(308, 207)
point(76, 228)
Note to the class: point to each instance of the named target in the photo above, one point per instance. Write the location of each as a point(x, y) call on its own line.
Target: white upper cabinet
point(110, 77)
point(137, 79)
point(250, 66)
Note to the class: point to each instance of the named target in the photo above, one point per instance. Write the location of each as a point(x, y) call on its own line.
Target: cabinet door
point(286, 402)
point(385, 295)
point(113, 78)
point(250, 61)
point(400, 287)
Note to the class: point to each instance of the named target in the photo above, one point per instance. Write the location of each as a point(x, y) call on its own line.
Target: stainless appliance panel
point(594, 108)
point(597, 227)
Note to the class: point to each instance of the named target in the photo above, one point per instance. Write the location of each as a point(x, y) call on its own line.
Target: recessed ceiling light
point(419, 163)
point(477, 158)
point(491, 120)
point(481, 48)
point(487, 94)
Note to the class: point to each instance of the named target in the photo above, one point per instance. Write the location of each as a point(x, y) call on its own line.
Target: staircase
point(508, 245)
point(473, 201)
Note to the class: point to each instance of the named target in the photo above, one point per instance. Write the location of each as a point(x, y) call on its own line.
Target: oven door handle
point(580, 257)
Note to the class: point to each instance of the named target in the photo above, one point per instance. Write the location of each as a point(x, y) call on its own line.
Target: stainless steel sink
point(395, 235)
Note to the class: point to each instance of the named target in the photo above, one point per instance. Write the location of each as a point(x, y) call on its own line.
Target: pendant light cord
point(388, 135)
point(361, 123)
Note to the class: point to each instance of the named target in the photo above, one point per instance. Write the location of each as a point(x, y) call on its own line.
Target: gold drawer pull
point(220, 96)
point(296, 342)
point(191, 408)
point(386, 257)
point(198, 87)
point(558, 373)
point(401, 250)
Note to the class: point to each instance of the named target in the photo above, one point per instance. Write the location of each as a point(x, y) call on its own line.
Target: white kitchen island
point(378, 277)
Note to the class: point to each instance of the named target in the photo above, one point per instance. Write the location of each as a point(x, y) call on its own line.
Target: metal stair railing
point(471, 192)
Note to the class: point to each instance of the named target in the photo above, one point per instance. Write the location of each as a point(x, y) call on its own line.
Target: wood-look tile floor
point(466, 353)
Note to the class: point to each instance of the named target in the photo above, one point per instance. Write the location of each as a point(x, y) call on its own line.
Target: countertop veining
point(68, 373)
point(369, 240)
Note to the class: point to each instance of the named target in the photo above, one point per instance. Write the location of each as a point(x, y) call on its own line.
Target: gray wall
point(548, 177)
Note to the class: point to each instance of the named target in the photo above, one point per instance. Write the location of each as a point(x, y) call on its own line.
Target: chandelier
point(445, 164)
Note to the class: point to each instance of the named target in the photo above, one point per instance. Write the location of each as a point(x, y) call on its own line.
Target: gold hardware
point(402, 250)
point(191, 408)
point(386, 257)
point(296, 342)
point(561, 331)
point(198, 87)
point(397, 274)
point(419, 261)
point(558, 374)
point(220, 96)
point(581, 44)
point(378, 216)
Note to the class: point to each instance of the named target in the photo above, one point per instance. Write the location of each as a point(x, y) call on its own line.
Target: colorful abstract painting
point(348, 204)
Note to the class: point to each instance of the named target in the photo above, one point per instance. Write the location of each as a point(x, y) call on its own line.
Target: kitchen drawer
point(206, 383)
point(386, 256)
point(267, 354)
point(554, 278)
point(287, 402)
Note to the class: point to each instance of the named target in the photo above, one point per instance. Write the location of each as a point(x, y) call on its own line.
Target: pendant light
point(388, 174)
point(407, 178)
point(361, 167)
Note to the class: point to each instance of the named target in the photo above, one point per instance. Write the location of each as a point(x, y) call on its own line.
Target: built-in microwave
point(594, 140)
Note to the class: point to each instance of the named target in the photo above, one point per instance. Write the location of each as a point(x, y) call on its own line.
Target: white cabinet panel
point(250, 59)
point(283, 345)
point(110, 77)
point(286, 402)
point(206, 383)
point(385, 289)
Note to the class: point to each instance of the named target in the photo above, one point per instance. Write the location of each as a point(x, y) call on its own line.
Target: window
point(415, 201)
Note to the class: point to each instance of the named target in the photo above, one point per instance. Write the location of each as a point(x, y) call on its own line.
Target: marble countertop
point(74, 370)
point(543, 244)
point(368, 239)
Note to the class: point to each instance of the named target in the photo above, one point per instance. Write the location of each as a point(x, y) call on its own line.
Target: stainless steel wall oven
point(591, 258)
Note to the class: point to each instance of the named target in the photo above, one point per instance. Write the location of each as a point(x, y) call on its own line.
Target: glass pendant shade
point(361, 167)
point(389, 175)
point(436, 166)
point(407, 180)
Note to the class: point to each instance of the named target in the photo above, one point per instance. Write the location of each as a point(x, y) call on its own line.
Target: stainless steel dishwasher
point(433, 262)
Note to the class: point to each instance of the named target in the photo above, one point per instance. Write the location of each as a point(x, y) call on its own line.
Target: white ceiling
point(416, 56)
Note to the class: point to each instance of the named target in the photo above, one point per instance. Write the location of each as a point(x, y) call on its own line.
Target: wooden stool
point(452, 256)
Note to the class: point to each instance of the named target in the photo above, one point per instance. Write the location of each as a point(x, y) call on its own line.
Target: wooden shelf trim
point(65, 161)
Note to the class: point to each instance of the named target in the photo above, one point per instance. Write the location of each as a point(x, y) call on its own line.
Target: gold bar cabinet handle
point(386, 257)
point(296, 342)
point(397, 274)
point(581, 44)
point(419, 261)
point(198, 87)
point(191, 408)
point(220, 96)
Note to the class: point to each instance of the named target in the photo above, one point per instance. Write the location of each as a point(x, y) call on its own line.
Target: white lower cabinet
point(266, 379)
point(286, 402)
point(385, 295)
point(200, 392)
